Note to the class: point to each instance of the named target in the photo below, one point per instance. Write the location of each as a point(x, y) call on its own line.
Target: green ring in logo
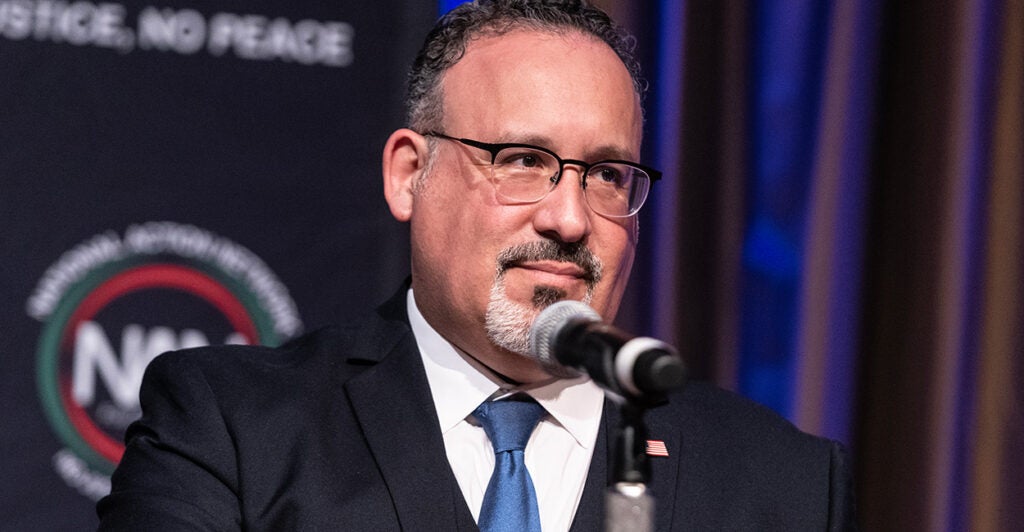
point(48, 378)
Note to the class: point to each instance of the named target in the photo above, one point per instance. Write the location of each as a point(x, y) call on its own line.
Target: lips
point(561, 269)
point(572, 260)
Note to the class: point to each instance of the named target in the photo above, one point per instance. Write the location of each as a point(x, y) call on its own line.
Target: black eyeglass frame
point(495, 148)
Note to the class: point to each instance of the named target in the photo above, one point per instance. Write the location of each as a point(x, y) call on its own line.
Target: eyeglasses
point(522, 173)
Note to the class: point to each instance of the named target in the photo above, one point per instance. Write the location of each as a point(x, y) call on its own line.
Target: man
point(517, 182)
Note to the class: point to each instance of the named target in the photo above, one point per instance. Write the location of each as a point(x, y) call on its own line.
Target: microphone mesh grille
point(550, 322)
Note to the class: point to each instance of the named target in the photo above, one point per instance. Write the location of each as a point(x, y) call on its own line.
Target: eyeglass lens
point(526, 175)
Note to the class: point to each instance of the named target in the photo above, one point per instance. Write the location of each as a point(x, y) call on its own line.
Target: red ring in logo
point(141, 278)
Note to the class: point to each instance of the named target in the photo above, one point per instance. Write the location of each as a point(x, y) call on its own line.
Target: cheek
point(617, 251)
point(465, 236)
point(619, 244)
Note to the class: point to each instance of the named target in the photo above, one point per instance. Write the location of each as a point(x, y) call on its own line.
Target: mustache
point(574, 252)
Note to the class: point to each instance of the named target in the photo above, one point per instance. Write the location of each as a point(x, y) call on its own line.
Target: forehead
point(531, 83)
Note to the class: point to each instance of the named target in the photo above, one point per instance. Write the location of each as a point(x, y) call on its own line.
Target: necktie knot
point(509, 423)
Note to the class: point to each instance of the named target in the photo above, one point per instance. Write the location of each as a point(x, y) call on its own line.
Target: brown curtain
point(996, 478)
point(941, 419)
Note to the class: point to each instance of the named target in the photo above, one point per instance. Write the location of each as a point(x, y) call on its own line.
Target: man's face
point(483, 268)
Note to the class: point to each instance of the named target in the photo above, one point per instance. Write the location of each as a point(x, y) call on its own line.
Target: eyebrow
point(600, 153)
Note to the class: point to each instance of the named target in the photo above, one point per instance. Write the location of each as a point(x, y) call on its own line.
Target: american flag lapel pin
point(656, 448)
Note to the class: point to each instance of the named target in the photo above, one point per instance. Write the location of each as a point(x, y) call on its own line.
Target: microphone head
point(551, 321)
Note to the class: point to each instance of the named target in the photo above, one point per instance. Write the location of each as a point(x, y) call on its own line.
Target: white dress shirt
point(559, 451)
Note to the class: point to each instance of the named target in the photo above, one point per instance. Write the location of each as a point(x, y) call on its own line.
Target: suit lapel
point(664, 473)
point(394, 407)
point(590, 513)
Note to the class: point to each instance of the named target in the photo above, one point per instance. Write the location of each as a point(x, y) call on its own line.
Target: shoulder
point(326, 357)
point(741, 463)
point(707, 408)
point(736, 433)
point(727, 411)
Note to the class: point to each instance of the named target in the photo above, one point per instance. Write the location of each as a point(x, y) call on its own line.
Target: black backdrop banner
point(173, 175)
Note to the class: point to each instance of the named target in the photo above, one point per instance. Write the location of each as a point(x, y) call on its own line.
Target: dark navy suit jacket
point(337, 431)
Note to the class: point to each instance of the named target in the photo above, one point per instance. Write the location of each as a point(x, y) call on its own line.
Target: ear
point(405, 157)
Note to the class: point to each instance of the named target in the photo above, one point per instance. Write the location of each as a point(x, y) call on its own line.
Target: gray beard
point(508, 322)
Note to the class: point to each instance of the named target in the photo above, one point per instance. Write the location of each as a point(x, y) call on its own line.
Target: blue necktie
point(510, 502)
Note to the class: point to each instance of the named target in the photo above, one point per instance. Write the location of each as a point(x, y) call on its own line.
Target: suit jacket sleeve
point(179, 469)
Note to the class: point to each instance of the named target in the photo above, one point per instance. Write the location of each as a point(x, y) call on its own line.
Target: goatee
point(508, 322)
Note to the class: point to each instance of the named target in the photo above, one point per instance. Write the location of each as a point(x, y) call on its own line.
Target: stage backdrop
point(175, 174)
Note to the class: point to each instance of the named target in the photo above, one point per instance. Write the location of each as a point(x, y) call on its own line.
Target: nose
point(564, 214)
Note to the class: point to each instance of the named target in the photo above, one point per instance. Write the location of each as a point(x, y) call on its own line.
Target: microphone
point(570, 333)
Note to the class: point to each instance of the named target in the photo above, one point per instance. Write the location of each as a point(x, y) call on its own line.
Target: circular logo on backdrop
point(114, 302)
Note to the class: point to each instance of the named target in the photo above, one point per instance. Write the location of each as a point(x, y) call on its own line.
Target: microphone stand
point(629, 507)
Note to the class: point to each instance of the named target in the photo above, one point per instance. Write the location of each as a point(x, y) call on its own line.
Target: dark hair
point(447, 42)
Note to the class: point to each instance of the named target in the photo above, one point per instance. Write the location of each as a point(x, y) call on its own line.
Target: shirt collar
point(458, 384)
